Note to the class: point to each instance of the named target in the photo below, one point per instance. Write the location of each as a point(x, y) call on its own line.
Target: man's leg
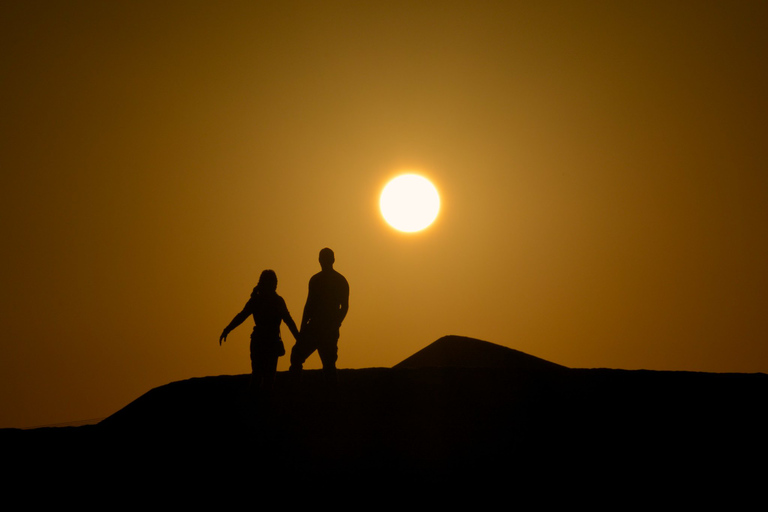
point(303, 348)
point(328, 350)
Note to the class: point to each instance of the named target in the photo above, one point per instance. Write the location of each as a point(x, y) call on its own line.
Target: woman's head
point(268, 281)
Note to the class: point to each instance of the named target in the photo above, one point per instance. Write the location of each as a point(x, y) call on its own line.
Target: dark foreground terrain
point(433, 420)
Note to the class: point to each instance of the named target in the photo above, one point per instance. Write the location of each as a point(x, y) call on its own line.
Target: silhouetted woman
point(268, 310)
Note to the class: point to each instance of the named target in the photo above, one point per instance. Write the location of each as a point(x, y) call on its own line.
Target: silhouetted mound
point(463, 352)
point(461, 413)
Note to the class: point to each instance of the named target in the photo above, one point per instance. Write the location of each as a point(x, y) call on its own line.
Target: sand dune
point(463, 352)
point(461, 411)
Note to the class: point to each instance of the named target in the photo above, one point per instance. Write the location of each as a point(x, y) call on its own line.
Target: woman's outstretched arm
point(239, 318)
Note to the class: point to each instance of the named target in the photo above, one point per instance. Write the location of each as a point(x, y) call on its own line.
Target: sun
point(409, 203)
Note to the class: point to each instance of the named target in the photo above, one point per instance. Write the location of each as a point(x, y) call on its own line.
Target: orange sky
point(603, 172)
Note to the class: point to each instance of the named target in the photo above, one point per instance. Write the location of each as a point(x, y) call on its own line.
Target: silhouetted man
point(326, 307)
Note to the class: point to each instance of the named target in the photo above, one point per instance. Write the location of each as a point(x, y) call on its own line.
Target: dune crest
point(463, 352)
point(461, 413)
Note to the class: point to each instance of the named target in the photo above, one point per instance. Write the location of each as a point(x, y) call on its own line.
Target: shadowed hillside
point(460, 411)
point(463, 352)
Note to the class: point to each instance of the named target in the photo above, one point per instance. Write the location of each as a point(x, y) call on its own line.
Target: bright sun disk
point(409, 203)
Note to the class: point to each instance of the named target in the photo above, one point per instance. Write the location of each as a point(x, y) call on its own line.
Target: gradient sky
point(603, 168)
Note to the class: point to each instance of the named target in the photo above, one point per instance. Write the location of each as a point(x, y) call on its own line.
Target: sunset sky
point(603, 171)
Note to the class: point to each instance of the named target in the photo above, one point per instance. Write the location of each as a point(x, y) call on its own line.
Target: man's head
point(326, 259)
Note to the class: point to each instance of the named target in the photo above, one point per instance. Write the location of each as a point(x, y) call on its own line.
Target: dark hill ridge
point(436, 418)
point(463, 352)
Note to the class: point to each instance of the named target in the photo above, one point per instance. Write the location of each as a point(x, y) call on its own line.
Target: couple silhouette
point(326, 307)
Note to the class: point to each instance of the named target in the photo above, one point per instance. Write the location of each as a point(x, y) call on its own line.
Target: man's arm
point(305, 316)
point(344, 306)
point(308, 306)
point(286, 316)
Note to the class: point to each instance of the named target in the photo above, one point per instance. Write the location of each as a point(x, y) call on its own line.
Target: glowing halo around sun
point(409, 203)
